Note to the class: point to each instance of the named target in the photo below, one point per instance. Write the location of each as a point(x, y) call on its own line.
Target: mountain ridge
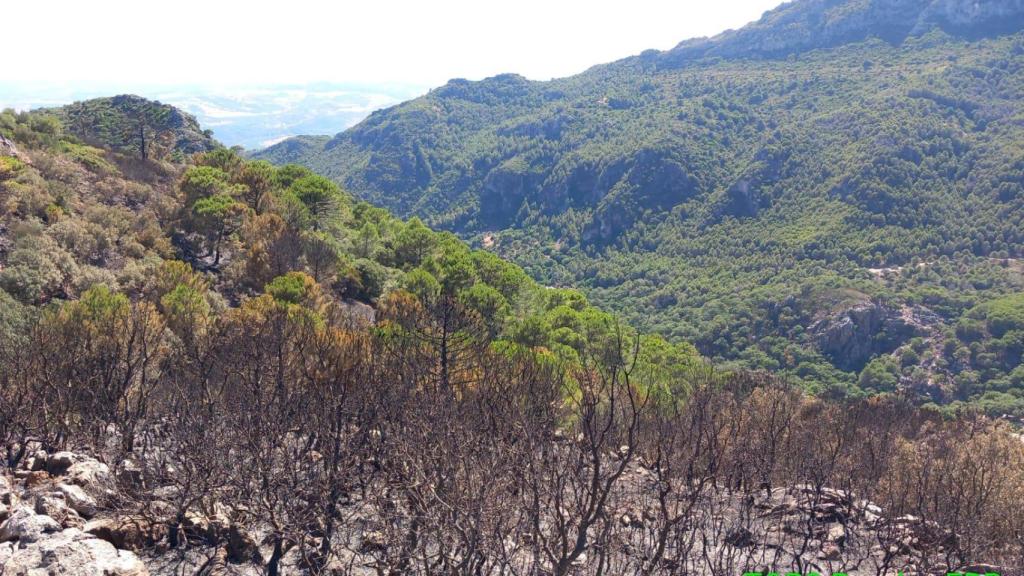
point(810, 24)
point(732, 202)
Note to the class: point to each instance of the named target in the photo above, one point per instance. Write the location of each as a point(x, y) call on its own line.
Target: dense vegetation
point(747, 203)
point(219, 232)
point(254, 352)
point(133, 125)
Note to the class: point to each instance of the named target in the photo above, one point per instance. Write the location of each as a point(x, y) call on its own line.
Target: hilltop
point(135, 125)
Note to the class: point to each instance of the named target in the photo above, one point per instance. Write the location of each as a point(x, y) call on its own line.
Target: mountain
point(796, 27)
point(214, 365)
point(831, 192)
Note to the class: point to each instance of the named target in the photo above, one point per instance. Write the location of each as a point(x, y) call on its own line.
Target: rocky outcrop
point(7, 148)
point(26, 526)
point(71, 553)
point(44, 509)
point(853, 334)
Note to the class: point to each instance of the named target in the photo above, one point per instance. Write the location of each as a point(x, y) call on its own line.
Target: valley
point(753, 303)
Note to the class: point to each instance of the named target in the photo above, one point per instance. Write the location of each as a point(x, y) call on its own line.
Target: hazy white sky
point(79, 42)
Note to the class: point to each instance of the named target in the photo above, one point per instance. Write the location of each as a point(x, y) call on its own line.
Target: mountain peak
point(803, 25)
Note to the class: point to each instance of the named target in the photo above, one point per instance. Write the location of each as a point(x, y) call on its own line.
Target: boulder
point(242, 548)
point(38, 461)
point(59, 463)
point(210, 528)
point(73, 553)
point(851, 335)
point(55, 506)
point(836, 534)
point(129, 533)
point(93, 476)
point(24, 525)
point(78, 500)
point(7, 148)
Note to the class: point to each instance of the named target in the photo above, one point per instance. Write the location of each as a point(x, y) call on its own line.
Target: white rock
point(78, 500)
point(53, 505)
point(60, 462)
point(38, 461)
point(93, 476)
point(6, 551)
point(6, 492)
point(73, 553)
point(836, 533)
point(27, 526)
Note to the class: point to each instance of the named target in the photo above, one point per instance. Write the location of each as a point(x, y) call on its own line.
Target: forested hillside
point(207, 233)
point(215, 365)
point(133, 125)
point(833, 193)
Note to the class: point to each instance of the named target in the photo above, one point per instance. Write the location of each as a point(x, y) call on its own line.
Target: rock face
point(72, 553)
point(7, 148)
point(851, 336)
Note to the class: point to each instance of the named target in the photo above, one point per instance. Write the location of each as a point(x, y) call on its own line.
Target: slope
point(746, 199)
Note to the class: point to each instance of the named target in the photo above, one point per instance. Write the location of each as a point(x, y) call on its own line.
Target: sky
point(99, 43)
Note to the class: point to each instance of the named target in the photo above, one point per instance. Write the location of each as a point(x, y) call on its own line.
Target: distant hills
point(794, 195)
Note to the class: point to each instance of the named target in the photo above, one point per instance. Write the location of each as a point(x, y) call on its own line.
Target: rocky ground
point(56, 518)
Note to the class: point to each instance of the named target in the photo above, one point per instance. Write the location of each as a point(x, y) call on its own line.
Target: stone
point(36, 479)
point(242, 548)
point(24, 525)
point(6, 551)
point(5, 512)
point(60, 462)
point(55, 506)
point(73, 553)
point(93, 476)
point(78, 500)
point(836, 534)
point(129, 533)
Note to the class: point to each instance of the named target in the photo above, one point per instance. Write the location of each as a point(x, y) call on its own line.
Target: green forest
point(750, 205)
point(221, 365)
point(193, 243)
